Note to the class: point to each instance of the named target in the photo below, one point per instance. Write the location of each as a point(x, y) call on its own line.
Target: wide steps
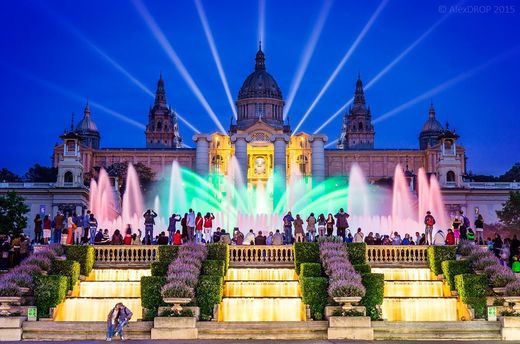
point(295, 330)
point(85, 330)
point(432, 330)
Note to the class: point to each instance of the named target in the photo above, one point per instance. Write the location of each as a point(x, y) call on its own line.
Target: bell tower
point(70, 168)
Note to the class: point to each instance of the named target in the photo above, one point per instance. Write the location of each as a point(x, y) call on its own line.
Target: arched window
point(302, 162)
point(450, 177)
point(216, 164)
point(159, 125)
point(68, 178)
point(360, 126)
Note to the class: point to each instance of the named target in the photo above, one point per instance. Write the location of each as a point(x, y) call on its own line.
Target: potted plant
point(177, 293)
point(512, 294)
point(10, 294)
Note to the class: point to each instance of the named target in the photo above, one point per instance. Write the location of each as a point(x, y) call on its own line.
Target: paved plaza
point(269, 341)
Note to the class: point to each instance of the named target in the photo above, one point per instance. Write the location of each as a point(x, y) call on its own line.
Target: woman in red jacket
point(208, 224)
point(198, 227)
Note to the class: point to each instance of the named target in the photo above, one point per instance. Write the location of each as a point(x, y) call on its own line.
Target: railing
point(491, 185)
point(257, 256)
point(382, 255)
point(125, 255)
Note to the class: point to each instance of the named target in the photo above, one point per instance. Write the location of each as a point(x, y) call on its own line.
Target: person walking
point(208, 226)
point(149, 222)
point(172, 223)
point(479, 229)
point(330, 224)
point(190, 223)
point(37, 229)
point(429, 222)
point(341, 223)
point(93, 225)
point(287, 228)
point(311, 227)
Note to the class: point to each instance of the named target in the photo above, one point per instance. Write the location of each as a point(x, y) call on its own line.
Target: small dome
point(432, 124)
point(86, 123)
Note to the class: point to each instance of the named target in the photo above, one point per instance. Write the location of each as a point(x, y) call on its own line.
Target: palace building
point(263, 144)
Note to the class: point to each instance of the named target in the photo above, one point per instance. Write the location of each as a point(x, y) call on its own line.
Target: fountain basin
point(266, 274)
point(261, 289)
point(264, 309)
point(420, 309)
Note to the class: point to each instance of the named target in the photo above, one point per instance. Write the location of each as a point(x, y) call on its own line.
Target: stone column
point(318, 157)
point(202, 154)
point(240, 141)
point(280, 142)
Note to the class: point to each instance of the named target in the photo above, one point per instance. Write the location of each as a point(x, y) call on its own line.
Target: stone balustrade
point(125, 255)
point(261, 256)
point(382, 255)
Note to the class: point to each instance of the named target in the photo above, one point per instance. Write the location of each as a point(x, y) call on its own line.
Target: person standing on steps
point(341, 223)
point(149, 222)
point(429, 222)
point(171, 227)
point(92, 224)
point(287, 228)
point(190, 223)
point(208, 226)
point(479, 229)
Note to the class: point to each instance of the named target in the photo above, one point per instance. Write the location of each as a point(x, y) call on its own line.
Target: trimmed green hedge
point(314, 294)
point(209, 293)
point(151, 297)
point(159, 268)
point(311, 270)
point(375, 288)
point(363, 268)
point(167, 253)
point(49, 291)
point(472, 291)
point(357, 252)
point(214, 267)
point(84, 255)
point(219, 252)
point(67, 268)
point(438, 254)
point(452, 268)
point(306, 252)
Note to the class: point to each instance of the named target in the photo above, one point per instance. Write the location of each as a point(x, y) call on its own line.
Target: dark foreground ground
point(277, 341)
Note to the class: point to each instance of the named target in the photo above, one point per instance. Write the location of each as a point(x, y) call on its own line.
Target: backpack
point(466, 221)
point(430, 221)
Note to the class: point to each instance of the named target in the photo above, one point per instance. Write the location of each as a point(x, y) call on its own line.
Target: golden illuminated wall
point(220, 152)
point(299, 154)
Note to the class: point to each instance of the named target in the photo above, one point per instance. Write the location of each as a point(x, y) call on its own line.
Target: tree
point(481, 178)
point(510, 213)
point(512, 175)
point(8, 176)
point(120, 169)
point(41, 174)
point(12, 213)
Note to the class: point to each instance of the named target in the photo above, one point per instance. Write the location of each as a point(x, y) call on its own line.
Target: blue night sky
point(49, 69)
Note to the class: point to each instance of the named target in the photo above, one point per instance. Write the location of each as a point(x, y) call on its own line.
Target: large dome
point(260, 84)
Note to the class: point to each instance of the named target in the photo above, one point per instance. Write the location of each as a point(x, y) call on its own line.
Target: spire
point(359, 95)
point(72, 122)
point(260, 58)
point(160, 94)
point(86, 112)
point(431, 111)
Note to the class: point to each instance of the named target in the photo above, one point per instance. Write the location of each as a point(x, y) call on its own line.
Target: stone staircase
point(436, 330)
point(85, 330)
point(279, 330)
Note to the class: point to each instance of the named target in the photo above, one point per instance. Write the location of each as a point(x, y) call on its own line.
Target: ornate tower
point(260, 98)
point(162, 130)
point(431, 131)
point(87, 130)
point(450, 166)
point(357, 131)
point(70, 168)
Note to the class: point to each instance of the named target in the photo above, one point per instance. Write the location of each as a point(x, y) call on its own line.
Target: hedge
point(167, 253)
point(472, 290)
point(209, 293)
point(306, 252)
point(84, 255)
point(219, 252)
point(314, 294)
point(311, 270)
point(67, 268)
point(357, 252)
point(452, 268)
point(159, 268)
point(375, 288)
point(151, 297)
point(438, 254)
point(214, 267)
point(49, 291)
point(363, 268)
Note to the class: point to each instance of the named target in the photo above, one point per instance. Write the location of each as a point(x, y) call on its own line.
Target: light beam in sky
point(214, 52)
point(331, 143)
point(308, 51)
point(344, 60)
point(447, 84)
point(168, 49)
point(261, 22)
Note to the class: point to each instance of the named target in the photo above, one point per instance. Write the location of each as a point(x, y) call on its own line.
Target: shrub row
point(472, 291)
point(167, 253)
point(438, 254)
point(68, 268)
point(314, 294)
point(209, 293)
point(219, 252)
point(214, 267)
point(84, 255)
point(49, 291)
point(452, 268)
point(305, 252)
point(357, 252)
point(374, 293)
point(311, 270)
point(151, 297)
